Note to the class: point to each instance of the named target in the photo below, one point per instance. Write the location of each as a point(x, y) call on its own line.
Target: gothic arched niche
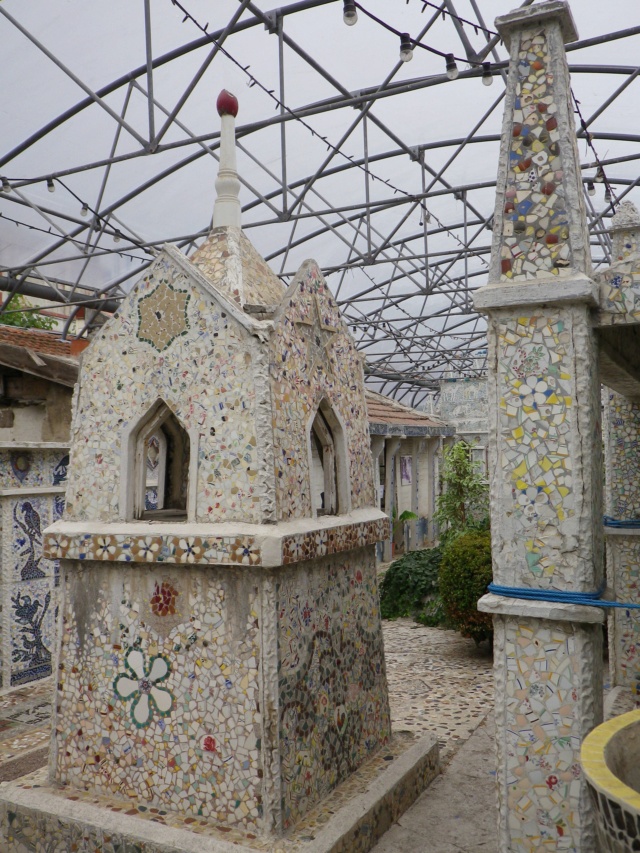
point(328, 463)
point(161, 467)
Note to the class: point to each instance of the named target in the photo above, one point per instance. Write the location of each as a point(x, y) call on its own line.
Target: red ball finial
point(227, 104)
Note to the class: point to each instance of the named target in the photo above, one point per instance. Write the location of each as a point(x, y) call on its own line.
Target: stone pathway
point(24, 730)
point(439, 682)
point(458, 811)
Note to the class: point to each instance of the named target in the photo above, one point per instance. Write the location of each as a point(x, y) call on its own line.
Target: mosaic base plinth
point(35, 817)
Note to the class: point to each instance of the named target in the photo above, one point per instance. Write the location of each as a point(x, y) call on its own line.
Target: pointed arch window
point(161, 465)
point(328, 463)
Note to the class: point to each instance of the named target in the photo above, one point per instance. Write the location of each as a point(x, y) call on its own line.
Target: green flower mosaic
point(142, 687)
point(162, 316)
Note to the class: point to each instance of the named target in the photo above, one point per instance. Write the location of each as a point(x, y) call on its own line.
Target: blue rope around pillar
point(556, 596)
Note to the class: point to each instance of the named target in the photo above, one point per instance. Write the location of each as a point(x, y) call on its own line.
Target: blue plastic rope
point(593, 599)
point(633, 523)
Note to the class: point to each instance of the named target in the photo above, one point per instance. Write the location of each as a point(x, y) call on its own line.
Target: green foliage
point(399, 521)
point(410, 588)
point(465, 495)
point(465, 572)
point(25, 319)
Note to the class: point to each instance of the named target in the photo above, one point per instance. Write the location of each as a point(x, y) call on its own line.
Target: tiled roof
point(48, 343)
point(386, 413)
point(234, 266)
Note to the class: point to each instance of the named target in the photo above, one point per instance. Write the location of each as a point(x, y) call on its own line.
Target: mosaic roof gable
point(228, 259)
point(314, 358)
point(619, 284)
point(175, 339)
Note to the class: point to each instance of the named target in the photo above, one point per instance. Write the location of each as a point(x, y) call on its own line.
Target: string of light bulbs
point(349, 9)
point(600, 176)
point(253, 81)
point(80, 246)
point(407, 43)
point(85, 209)
point(426, 4)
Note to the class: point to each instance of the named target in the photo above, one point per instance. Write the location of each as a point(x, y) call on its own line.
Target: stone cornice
point(577, 289)
point(230, 543)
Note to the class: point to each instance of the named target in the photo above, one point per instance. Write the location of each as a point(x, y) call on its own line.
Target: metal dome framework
point(398, 219)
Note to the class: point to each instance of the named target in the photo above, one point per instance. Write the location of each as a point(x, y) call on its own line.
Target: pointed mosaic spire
point(540, 227)
point(226, 211)
point(625, 231)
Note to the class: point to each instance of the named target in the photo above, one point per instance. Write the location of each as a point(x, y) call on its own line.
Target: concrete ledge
point(34, 490)
point(556, 291)
point(31, 813)
point(229, 543)
point(24, 762)
point(624, 532)
point(534, 16)
point(499, 605)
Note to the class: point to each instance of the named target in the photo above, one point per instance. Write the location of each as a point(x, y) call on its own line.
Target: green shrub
point(465, 493)
point(26, 319)
point(410, 588)
point(465, 572)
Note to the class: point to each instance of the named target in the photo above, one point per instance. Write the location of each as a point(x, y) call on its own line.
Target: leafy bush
point(410, 588)
point(465, 572)
point(23, 318)
point(465, 493)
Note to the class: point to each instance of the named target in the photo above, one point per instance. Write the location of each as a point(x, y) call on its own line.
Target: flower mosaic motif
point(140, 685)
point(163, 600)
point(162, 316)
point(535, 413)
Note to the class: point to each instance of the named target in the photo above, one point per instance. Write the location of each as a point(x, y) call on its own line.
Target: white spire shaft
point(227, 210)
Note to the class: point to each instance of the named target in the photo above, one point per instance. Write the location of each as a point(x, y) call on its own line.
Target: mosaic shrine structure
point(221, 649)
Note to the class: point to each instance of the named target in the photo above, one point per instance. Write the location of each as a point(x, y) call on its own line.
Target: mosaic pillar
point(32, 483)
point(377, 447)
point(544, 448)
point(390, 481)
point(622, 502)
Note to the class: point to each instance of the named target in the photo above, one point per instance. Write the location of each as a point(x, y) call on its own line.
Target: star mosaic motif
point(318, 336)
point(162, 316)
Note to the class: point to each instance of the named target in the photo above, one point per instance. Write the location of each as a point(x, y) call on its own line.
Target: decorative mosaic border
point(241, 550)
point(319, 543)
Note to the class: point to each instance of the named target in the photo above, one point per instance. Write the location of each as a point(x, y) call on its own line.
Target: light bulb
point(487, 76)
point(599, 175)
point(350, 15)
point(607, 194)
point(406, 47)
point(6, 186)
point(591, 189)
point(50, 185)
point(84, 209)
point(116, 237)
point(452, 68)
